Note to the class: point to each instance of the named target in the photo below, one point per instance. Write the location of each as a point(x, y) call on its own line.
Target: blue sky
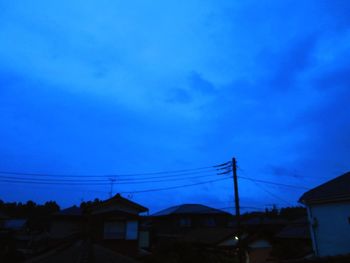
point(96, 87)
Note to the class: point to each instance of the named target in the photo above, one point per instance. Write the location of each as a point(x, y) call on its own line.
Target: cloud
point(111, 86)
point(330, 121)
point(201, 85)
point(282, 171)
point(339, 12)
point(292, 62)
point(196, 90)
point(178, 95)
point(334, 80)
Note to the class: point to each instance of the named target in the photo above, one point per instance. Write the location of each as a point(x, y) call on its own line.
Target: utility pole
point(238, 214)
point(228, 167)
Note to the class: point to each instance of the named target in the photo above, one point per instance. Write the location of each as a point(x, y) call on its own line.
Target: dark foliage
point(37, 215)
point(86, 206)
point(20, 210)
point(292, 213)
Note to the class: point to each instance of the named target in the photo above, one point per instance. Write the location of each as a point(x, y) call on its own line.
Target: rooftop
point(119, 199)
point(189, 209)
point(70, 211)
point(337, 189)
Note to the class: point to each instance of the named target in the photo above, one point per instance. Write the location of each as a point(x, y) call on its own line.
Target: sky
point(122, 87)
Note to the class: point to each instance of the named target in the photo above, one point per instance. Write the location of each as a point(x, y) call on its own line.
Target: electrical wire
point(173, 173)
point(129, 192)
point(272, 194)
point(96, 179)
point(173, 187)
point(94, 182)
point(273, 183)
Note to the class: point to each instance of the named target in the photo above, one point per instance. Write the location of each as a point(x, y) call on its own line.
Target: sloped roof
point(337, 189)
point(189, 209)
point(103, 207)
point(121, 200)
point(70, 211)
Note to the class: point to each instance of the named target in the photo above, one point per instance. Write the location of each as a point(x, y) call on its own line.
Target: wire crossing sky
point(127, 88)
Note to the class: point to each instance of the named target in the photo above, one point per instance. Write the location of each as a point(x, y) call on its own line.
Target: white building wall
point(330, 228)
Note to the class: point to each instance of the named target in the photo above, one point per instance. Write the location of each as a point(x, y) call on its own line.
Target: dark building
point(293, 241)
point(113, 223)
point(174, 222)
point(67, 223)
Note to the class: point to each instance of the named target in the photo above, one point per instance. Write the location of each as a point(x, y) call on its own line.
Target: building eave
point(339, 199)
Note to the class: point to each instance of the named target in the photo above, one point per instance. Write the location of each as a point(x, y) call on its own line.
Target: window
point(132, 228)
point(114, 230)
point(185, 222)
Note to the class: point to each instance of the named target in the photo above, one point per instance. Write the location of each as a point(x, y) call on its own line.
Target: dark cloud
point(339, 10)
point(334, 80)
point(326, 124)
point(291, 62)
point(280, 113)
point(47, 124)
point(198, 86)
point(332, 118)
point(51, 130)
point(179, 95)
point(201, 85)
point(281, 171)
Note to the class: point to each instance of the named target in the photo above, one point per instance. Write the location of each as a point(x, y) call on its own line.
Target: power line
point(273, 183)
point(97, 179)
point(173, 187)
point(294, 176)
point(225, 164)
point(129, 192)
point(303, 176)
point(272, 194)
point(94, 182)
point(172, 172)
